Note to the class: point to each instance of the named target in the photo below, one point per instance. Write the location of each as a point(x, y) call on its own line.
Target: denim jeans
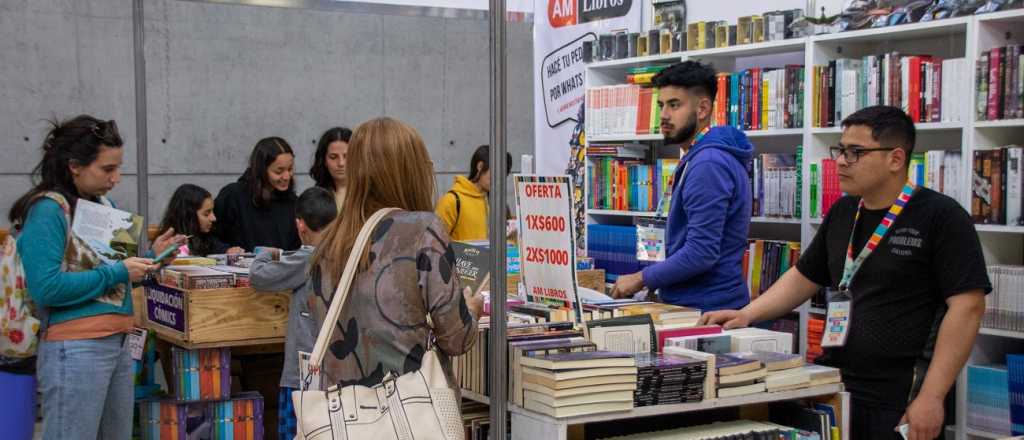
point(87, 388)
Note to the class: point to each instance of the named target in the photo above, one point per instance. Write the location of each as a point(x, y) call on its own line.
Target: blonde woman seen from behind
point(405, 276)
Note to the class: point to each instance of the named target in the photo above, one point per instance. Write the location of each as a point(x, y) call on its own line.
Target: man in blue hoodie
point(709, 214)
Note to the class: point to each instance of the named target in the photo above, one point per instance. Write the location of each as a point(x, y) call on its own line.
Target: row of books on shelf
point(761, 98)
point(627, 109)
point(939, 170)
point(765, 261)
point(999, 75)
point(627, 184)
point(476, 420)
point(204, 403)
point(799, 415)
point(995, 396)
point(1004, 306)
point(775, 185)
point(925, 87)
point(996, 196)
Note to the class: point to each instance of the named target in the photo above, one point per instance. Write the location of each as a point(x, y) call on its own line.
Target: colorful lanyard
point(851, 266)
point(661, 203)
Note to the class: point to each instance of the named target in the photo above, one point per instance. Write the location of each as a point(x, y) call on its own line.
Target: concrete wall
point(220, 77)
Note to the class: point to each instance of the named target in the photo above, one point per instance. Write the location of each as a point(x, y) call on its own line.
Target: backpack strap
point(458, 210)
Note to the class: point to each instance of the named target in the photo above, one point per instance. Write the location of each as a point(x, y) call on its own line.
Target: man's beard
point(684, 134)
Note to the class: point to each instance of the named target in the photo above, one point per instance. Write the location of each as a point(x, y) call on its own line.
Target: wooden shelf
point(1001, 123)
point(626, 138)
point(609, 212)
point(476, 397)
point(1000, 229)
point(775, 220)
point(656, 410)
point(750, 50)
point(1001, 333)
point(627, 63)
point(774, 132)
point(938, 28)
point(979, 433)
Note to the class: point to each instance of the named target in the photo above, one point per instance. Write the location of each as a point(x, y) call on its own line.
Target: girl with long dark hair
point(330, 161)
point(259, 209)
point(190, 212)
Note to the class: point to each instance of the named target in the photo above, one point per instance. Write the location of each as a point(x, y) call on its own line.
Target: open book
point(111, 233)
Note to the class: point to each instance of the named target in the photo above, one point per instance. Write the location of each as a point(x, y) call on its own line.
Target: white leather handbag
point(419, 401)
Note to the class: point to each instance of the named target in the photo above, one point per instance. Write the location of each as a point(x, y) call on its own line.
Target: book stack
point(622, 110)
point(196, 277)
point(738, 376)
point(1004, 307)
point(203, 374)
point(996, 193)
point(760, 98)
point(476, 420)
point(787, 371)
point(815, 331)
point(626, 184)
point(759, 339)
point(664, 379)
point(681, 336)
point(643, 76)
point(664, 316)
point(519, 349)
point(773, 180)
point(765, 261)
point(923, 86)
point(579, 383)
point(720, 343)
point(613, 248)
point(988, 399)
point(238, 418)
point(1000, 84)
point(471, 369)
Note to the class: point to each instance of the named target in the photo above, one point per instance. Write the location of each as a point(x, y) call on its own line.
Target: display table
point(530, 425)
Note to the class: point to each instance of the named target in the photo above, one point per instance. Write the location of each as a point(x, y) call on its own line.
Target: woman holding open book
point(85, 369)
point(405, 289)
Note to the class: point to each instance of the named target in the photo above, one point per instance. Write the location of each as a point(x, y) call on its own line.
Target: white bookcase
point(963, 37)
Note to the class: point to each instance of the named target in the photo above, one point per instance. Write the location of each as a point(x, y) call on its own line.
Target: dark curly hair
point(74, 141)
point(181, 215)
point(696, 77)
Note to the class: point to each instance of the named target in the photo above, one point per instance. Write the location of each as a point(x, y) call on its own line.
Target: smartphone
point(166, 253)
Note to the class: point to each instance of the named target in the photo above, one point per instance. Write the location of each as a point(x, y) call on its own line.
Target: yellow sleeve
point(445, 210)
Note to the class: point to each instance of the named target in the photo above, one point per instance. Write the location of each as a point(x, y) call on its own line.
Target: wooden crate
point(591, 279)
point(217, 317)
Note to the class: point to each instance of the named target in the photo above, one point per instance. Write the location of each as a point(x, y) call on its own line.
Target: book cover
point(729, 365)
point(714, 344)
point(630, 334)
point(579, 360)
point(663, 335)
point(472, 264)
point(111, 233)
point(771, 360)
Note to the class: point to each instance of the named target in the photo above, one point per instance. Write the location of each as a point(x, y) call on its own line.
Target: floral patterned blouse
point(383, 328)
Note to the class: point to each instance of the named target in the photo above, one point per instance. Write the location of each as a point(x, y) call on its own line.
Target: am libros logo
point(572, 12)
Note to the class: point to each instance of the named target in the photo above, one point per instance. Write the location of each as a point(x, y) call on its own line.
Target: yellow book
point(764, 104)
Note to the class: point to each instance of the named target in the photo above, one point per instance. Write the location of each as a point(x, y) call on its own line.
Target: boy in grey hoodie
point(273, 270)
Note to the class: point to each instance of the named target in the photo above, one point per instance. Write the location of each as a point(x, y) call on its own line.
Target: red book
point(239, 419)
point(643, 120)
point(690, 331)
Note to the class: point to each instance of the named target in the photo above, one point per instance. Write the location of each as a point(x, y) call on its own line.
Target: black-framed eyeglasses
point(852, 154)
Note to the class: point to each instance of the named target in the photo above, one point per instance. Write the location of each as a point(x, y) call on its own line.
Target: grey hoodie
point(291, 272)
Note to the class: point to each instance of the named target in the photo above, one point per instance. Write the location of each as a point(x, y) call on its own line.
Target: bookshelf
point(961, 37)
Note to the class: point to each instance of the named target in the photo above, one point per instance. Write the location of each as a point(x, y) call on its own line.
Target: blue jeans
point(87, 388)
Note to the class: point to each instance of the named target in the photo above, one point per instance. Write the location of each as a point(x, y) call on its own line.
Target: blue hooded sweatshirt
point(708, 222)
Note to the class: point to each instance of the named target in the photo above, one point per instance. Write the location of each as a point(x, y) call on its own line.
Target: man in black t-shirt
point(918, 297)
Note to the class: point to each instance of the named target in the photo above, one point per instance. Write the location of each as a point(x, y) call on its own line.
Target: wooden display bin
point(216, 317)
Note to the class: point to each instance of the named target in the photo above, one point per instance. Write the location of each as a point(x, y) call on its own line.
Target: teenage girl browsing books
point(190, 212)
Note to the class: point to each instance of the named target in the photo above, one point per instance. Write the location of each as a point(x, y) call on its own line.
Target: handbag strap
point(341, 293)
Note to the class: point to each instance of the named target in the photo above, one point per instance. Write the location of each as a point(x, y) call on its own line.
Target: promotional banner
point(546, 252)
point(560, 27)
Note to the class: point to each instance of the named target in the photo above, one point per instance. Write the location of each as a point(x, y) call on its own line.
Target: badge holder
point(838, 319)
point(650, 240)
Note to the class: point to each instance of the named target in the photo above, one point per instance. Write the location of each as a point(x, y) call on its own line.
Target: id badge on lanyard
point(840, 302)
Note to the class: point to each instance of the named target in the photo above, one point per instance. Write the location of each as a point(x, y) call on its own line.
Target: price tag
point(136, 342)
